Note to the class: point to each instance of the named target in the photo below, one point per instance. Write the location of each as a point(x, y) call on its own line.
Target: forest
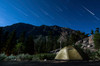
point(11, 43)
point(23, 45)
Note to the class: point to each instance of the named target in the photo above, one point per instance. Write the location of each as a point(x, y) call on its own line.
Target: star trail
point(91, 13)
point(82, 15)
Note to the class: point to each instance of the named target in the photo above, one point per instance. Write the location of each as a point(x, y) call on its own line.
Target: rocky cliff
point(87, 43)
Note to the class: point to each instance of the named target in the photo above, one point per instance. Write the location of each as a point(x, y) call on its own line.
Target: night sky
point(82, 15)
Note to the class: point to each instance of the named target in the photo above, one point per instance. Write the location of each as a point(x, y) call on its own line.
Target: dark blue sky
point(82, 15)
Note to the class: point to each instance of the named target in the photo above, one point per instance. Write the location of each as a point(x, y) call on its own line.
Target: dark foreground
point(49, 63)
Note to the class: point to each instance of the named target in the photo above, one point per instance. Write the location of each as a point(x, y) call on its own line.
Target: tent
point(68, 53)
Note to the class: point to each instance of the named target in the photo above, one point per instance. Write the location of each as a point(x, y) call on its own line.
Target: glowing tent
point(68, 53)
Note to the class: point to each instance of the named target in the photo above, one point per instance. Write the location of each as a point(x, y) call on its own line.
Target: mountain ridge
point(43, 31)
point(28, 27)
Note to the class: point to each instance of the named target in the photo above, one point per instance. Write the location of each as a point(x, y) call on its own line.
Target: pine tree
point(22, 37)
point(20, 47)
point(44, 45)
point(55, 44)
point(29, 45)
point(72, 39)
point(50, 41)
point(97, 40)
point(97, 30)
point(11, 42)
point(92, 32)
point(5, 37)
point(37, 46)
point(1, 33)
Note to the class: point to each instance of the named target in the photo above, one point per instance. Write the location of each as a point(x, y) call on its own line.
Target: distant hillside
point(37, 30)
point(36, 39)
point(41, 31)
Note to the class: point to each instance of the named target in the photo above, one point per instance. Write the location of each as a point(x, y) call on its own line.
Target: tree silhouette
point(92, 32)
point(11, 42)
point(97, 40)
point(29, 45)
point(1, 35)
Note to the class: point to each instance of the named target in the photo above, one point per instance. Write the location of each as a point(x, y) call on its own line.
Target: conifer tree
point(97, 30)
point(92, 32)
point(1, 33)
point(29, 45)
point(97, 40)
point(5, 37)
point(72, 39)
point(22, 37)
point(20, 46)
point(11, 42)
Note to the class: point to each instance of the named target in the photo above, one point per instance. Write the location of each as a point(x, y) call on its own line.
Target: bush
point(2, 56)
point(28, 57)
point(94, 55)
point(10, 58)
point(35, 58)
point(19, 57)
point(24, 57)
point(46, 56)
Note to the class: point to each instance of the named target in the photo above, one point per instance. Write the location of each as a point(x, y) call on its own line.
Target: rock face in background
point(87, 43)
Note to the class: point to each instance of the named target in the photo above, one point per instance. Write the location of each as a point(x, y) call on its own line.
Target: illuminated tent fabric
point(68, 53)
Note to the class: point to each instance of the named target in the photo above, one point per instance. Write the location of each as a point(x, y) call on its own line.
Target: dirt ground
point(49, 63)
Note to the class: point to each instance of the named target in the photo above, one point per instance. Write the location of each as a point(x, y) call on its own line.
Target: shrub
point(46, 56)
point(28, 57)
point(10, 58)
point(94, 55)
point(2, 56)
point(24, 57)
point(20, 56)
point(35, 58)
